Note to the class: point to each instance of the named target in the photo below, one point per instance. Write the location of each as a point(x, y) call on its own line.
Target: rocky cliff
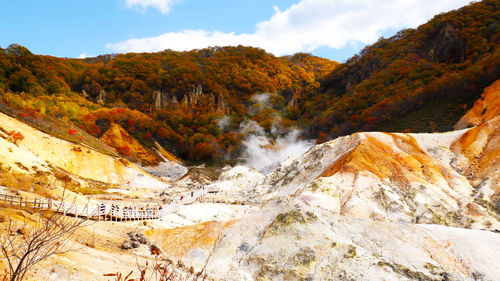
point(195, 98)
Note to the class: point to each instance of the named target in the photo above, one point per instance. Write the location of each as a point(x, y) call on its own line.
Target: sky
point(335, 29)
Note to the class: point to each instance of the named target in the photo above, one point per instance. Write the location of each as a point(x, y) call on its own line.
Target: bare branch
point(35, 241)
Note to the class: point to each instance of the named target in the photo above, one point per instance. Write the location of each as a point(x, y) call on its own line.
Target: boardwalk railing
point(102, 211)
point(33, 203)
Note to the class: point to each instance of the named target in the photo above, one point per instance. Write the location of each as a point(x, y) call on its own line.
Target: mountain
point(195, 103)
point(419, 80)
point(367, 206)
point(177, 99)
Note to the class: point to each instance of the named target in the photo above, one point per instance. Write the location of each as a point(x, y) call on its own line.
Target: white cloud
point(305, 26)
point(83, 55)
point(162, 5)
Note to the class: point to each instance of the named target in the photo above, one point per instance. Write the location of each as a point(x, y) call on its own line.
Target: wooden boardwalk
point(101, 211)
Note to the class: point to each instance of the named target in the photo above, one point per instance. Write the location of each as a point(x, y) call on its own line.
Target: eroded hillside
point(37, 152)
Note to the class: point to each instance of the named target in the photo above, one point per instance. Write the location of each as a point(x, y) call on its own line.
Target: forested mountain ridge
point(418, 80)
point(175, 98)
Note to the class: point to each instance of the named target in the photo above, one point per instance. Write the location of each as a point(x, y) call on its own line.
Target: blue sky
point(335, 29)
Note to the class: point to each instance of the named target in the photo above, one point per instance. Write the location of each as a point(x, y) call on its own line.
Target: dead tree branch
point(26, 244)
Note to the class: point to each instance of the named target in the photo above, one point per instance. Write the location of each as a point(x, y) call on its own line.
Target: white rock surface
point(371, 206)
point(169, 169)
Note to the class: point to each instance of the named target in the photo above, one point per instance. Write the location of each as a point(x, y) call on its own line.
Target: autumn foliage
point(15, 136)
point(123, 150)
point(67, 89)
point(417, 76)
point(398, 83)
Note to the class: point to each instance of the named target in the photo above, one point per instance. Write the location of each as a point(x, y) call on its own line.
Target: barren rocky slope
point(119, 139)
point(38, 151)
point(369, 206)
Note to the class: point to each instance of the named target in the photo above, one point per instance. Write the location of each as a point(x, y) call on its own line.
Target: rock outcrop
point(290, 240)
point(415, 178)
point(101, 97)
point(194, 99)
point(478, 158)
point(445, 44)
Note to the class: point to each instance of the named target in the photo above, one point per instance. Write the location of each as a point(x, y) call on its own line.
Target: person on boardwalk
point(102, 209)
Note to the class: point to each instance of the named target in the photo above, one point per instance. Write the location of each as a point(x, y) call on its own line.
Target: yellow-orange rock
point(123, 142)
point(484, 109)
point(480, 147)
point(178, 242)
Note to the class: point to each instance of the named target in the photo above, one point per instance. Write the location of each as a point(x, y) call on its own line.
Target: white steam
point(250, 127)
point(223, 123)
point(263, 153)
point(261, 102)
point(261, 99)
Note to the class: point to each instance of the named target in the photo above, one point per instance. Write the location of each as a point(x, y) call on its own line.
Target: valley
point(233, 163)
point(435, 196)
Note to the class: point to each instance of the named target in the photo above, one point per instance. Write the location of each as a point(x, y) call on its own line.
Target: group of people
point(136, 211)
point(129, 211)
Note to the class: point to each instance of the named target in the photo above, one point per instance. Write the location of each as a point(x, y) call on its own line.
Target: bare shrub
point(159, 270)
point(25, 244)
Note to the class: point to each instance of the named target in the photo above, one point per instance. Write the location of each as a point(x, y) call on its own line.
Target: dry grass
point(30, 183)
point(43, 183)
